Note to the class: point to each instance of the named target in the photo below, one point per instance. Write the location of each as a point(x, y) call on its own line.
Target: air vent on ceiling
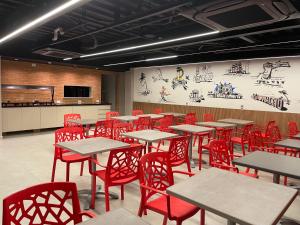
point(238, 14)
point(57, 53)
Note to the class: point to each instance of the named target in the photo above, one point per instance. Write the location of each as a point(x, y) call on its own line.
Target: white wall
point(276, 81)
point(129, 75)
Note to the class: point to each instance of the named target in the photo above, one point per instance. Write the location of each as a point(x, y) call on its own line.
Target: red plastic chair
point(121, 169)
point(266, 132)
point(137, 112)
point(121, 128)
point(143, 123)
point(50, 203)
point(62, 135)
point(242, 139)
point(207, 117)
point(157, 111)
point(293, 129)
point(155, 177)
point(72, 116)
point(104, 129)
point(190, 118)
point(111, 114)
point(220, 157)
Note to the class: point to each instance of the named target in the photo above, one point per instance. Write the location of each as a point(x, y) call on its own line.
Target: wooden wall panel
point(260, 117)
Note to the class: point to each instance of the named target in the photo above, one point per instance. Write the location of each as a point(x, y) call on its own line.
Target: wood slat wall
point(260, 117)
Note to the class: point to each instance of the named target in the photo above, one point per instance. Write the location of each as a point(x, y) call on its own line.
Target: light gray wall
point(128, 91)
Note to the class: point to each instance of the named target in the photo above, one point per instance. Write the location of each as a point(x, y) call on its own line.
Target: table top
point(125, 118)
point(270, 162)
point(236, 121)
point(92, 146)
point(215, 124)
point(191, 128)
point(173, 113)
point(289, 143)
point(297, 136)
point(153, 116)
point(85, 121)
point(114, 217)
point(149, 135)
point(241, 199)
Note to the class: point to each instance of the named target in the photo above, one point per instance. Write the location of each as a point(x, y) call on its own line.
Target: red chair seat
point(179, 208)
point(236, 139)
point(74, 157)
point(101, 175)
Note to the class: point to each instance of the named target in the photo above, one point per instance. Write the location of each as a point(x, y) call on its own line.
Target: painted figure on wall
point(238, 69)
point(180, 79)
point(143, 87)
point(159, 76)
point(195, 96)
point(224, 90)
point(163, 94)
point(267, 76)
point(203, 74)
point(276, 102)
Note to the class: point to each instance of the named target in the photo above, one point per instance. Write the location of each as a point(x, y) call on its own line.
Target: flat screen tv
point(77, 92)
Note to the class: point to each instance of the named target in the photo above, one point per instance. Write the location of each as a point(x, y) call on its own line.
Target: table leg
point(191, 151)
point(149, 146)
point(276, 178)
point(229, 222)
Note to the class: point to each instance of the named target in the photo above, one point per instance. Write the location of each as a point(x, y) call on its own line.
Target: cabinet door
point(11, 119)
point(101, 111)
point(48, 117)
point(31, 118)
point(61, 111)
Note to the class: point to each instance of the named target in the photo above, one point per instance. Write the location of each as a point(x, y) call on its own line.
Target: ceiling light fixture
point(150, 44)
point(40, 20)
point(144, 60)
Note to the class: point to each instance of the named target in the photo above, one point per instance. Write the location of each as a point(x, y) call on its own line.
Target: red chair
point(207, 117)
point(220, 157)
point(111, 114)
point(293, 129)
point(121, 169)
point(62, 135)
point(50, 203)
point(121, 128)
point(242, 139)
point(157, 111)
point(71, 116)
point(190, 118)
point(137, 112)
point(143, 123)
point(104, 129)
point(156, 175)
point(266, 132)
point(165, 123)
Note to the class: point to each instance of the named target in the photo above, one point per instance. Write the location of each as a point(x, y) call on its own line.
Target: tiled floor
point(26, 159)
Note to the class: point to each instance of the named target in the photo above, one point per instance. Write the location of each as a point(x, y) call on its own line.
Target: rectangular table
point(272, 163)
point(149, 136)
point(93, 146)
point(191, 129)
point(86, 123)
point(297, 136)
point(115, 217)
point(173, 113)
point(216, 124)
point(152, 116)
point(127, 118)
point(289, 143)
point(238, 122)
point(239, 199)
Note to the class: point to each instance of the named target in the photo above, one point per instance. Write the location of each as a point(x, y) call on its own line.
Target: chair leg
point(285, 181)
point(106, 198)
point(81, 168)
point(178, 222)
point(243, 148)
point(68, 172)
point(141, 209)
point(122, 192)
point(165, 220)
point(53, 169)
point(202, 217)
point(93, 194)
point(200, 152)
point(195, 139)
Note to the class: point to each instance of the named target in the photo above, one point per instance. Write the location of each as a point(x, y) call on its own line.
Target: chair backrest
point(49, 203)
point(246, 132)
point(71, 116)
point(207, 117)
point(292, 128)
point(155, 171)
point(269, 126)
point(178, 150)
point(169, 120)
point(224, 134)
point(121, 128)
point(256, 141)
point(190, 118)
point(122, 164)
point(104, 129)
point(111, 114)
point(157, 111)
point(137, 112)
point(219, 154)
point(143, 123)
point(274, 134)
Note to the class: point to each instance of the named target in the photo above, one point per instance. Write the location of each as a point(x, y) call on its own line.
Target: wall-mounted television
point(77, 92)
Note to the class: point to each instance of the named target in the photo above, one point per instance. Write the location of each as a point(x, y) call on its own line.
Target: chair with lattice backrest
point(190, 118)
point(266, 132)
point(208, 117)
point(156, 175)
point(137, 112)
point(143, 123)
point(49, 203)
point(157, 110)
point(242, 138)
point(63, 135)
point(121, 169)
point(72, 116)
point(292, 129)
point(104, 128)
point(111, 114)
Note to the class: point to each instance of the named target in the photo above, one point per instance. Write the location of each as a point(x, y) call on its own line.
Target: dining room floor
point(26, 159)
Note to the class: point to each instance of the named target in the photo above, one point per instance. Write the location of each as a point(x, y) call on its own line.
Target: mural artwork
point(163, 94)
point(238, 69)
point(180, 79)
point(203, 74)
point(159, 76)
point(225, 90)
point(267, 76)
point(278, 103)
point(143, 87)
point(195, 96)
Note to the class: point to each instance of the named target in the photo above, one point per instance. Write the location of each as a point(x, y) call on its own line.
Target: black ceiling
point(102, 25)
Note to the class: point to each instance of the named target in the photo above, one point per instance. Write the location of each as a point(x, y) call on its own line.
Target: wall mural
point(263, 84)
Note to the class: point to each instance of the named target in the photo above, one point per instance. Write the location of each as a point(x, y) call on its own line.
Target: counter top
point(44, 104)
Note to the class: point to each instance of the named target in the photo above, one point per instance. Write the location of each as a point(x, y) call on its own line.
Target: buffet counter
point(42, 117)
